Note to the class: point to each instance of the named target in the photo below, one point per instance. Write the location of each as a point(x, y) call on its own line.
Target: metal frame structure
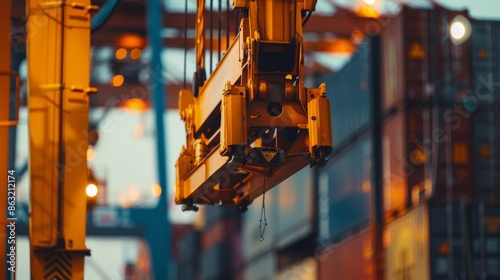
point(252, 124)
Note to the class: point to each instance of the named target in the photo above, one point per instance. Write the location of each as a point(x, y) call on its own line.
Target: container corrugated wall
point(262, 268)
point(486, 103)
point(394, 165)
point(436, 241)
point(306, 269)
point(290, 212)
point(344, 191)
point(407, 246)
point(427, 78)
point(349, 259)
point(350, 91)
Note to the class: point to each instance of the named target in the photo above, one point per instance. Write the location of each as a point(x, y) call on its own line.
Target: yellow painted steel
point(5, 28)
point(58, 54)
point(253, 118)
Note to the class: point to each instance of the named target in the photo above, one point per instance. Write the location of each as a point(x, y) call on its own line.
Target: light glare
point(91, 154)
point(156, 190)
point(457, 30)
point(91, 190)
point(460, 30)
point(117, 80)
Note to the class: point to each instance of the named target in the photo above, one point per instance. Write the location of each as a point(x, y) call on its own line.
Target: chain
point(263, 212)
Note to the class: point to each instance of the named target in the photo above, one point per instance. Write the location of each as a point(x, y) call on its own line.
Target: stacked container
point(425, 81)
point(220, 243)
point(346, 197)
point(289, 213)
point(411, 188)
point(188, 250)
point(433, 242)
point(485, 104)
point(403, 134)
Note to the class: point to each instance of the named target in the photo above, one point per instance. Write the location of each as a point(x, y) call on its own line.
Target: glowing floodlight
point(460, 30)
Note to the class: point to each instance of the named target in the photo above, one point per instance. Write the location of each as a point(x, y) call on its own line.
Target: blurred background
point(411, 191)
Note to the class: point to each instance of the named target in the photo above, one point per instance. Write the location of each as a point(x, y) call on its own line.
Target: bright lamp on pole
point(460, 30)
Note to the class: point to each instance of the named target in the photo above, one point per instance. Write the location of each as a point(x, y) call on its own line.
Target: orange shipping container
point(353, 258)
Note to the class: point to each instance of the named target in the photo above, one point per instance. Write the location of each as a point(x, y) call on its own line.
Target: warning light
point(460, 29)
point(91, 190)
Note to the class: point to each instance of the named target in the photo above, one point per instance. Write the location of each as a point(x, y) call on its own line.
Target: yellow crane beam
point(58, 55)
point(5, 28)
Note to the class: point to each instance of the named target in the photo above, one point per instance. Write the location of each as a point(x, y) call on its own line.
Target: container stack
point(188, 259)
point(485, 102)
point(288, 238)
point(405, 122)
point(220, 243)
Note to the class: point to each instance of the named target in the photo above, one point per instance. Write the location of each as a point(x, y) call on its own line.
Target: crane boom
point(252, 124)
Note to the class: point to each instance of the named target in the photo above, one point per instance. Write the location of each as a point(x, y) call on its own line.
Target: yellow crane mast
point(252, 124)
point(58, 54)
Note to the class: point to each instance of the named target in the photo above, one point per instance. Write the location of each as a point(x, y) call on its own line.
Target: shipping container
point(394, 164)
point(485, 108)
point(345, 191)
point(454, 179)
point(352, 258)
point(290, 211)
point(216, 263)
point(350, 92)
point(188, 246)
point(407, 241)
point(220, 251)
point(262, 268)
point(455, 240)
point(306, 269)
point(485, 54)
point(296, 208)
point(486, 153)
point(215, 213)
point(220, 231)
point(426, 75)
point(187, 271)
point(420, 60)
point(423, 78)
